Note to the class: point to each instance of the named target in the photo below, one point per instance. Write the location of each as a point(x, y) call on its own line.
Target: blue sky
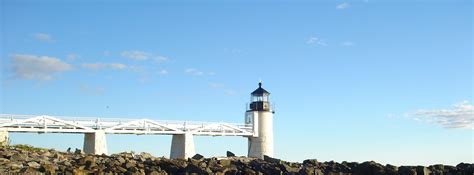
point(389, 81)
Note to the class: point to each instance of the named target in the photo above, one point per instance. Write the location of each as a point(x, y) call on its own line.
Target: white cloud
point(230, 92)
point(234, 51)
point(135, 55)
point(343, 6)
point(316, 40)
point(348, 43)
point(193, 71)
point(92, 91)
point(163, 72)
point(161, 59)
point(106, 53)
point(37, 67)
point(223, 88)
point(43, 37)
point(97, 66)
point(216, 85)
point(117, 66)
point(72, 57)
point(461, 115)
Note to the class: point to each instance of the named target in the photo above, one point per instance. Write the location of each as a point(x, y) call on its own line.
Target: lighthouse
point(260, 116)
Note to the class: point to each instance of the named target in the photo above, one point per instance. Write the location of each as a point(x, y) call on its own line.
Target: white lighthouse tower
point(260, 116)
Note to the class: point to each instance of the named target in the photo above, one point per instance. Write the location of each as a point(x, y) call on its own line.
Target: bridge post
point(95, 143)
point(182, 146)
point(3, 137)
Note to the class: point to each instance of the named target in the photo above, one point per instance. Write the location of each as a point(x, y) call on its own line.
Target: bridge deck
point(60, 124)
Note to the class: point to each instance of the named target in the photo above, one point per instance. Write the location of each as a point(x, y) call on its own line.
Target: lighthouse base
point(262, 143)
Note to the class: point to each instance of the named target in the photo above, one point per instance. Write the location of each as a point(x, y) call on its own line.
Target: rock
point(289, 169)
point(421, 170)
point(391, 170)
point(29, 160)
point(198, 157)
point(78, 151)
point(371, 168)
point(465, 167)
point(157, 173)
point(33, 165)
point(58, 156)
point(121, 160)
point(406, 170)
point(271, 160)
point(230, 154)
point(19, 157)
point(310, 162)
point(49, 168)
point(145, 155)
point(15, 166)
point(224, 162)
point(130, 164)
point(3, 161)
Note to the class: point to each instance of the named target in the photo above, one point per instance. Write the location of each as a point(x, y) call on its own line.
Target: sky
point(351, 80)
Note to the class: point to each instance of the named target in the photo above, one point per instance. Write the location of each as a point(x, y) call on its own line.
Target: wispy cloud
point(230, 92)
point(223, 88)
point(160, 59)
point(98, 66)
point(234, 51)
point(37, 67)
point(344, 5)
point(348, 43)
point(136, 55)
point(163, 72)
point(460, 115)
point(316, 40)
point(216, 85)
point(43, 37)
point(72, 57)
point(194, 72)
point(90, 90)
point(106, 53)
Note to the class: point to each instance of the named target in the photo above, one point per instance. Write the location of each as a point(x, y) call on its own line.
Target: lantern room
point(260, 99)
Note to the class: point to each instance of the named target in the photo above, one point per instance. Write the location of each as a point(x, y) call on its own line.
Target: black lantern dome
point(260, 99)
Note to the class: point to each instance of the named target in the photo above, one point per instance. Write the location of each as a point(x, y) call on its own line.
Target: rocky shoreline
point(22, 159)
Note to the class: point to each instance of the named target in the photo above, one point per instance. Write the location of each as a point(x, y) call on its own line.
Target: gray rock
point(16, 166)
point(230, 154)
point(271, 160)
point(198, 157)
point(406, 170)
point(421, 170)
point(78, 151)
point(19, 157)
point(33, 165)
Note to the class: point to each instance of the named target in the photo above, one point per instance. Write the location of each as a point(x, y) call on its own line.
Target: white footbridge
point(96, 128)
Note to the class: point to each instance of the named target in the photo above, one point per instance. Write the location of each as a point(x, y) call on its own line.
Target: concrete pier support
point(182, 146)
point(95, 143)
point(3, 137)
point(263, 143)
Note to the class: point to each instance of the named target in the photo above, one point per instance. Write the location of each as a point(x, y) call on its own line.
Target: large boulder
point(230, 154)
point(407, 170)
